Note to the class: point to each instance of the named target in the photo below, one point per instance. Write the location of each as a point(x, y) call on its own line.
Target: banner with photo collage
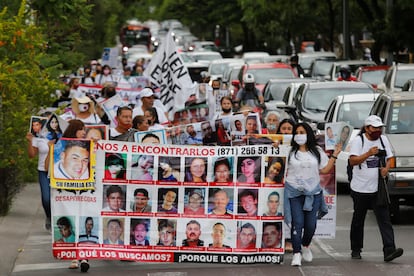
point(175, 203)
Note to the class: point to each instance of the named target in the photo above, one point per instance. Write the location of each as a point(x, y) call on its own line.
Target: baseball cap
point(146, 92)
point(197, 191)
point(373, 120)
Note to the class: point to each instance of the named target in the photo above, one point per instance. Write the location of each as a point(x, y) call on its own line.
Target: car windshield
point(276, 91)
point(318, 100)
point(261, 76)
point(321, 68)
point(354, 113)
point(218, 68)
point(402, 76)
point(401, 117)
point(373, 77)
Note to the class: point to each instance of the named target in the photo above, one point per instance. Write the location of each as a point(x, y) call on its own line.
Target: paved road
point(26, 250)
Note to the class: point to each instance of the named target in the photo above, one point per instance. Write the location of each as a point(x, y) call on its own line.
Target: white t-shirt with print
point(303, 169)
point(365, 180)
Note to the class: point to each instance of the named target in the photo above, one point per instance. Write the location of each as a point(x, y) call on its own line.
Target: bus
point(135, 33)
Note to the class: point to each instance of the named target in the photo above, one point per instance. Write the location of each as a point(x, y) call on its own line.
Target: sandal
point(74, 264)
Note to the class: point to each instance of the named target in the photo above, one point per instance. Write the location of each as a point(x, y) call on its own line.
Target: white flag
point(167, 71)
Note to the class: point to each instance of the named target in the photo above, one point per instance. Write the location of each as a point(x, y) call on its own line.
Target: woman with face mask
point(303, 192)
point(105, 76)
point(84, 110)
point(272, 122)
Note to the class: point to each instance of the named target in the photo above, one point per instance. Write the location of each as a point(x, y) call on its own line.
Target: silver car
point(396, 110)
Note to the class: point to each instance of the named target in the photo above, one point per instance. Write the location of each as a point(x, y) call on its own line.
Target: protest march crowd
point(156, 103)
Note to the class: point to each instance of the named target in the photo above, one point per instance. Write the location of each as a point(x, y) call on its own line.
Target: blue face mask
point(271, 127)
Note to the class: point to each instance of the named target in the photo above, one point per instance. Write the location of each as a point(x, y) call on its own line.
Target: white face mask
point(83, 107)
point(300, 139)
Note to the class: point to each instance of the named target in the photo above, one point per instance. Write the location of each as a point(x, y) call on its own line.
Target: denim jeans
point(303, 222)
point(44, 182)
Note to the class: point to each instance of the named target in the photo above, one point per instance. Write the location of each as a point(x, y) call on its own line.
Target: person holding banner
point(303, 190)
point(84, 110)
point(147, 100)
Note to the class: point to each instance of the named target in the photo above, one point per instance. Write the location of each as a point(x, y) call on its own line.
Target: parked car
point(352, 109)
point(313, 99)
point(353, 64)
point(372, 74)
point(305, 59)
point(391, 107)
point(395, 77)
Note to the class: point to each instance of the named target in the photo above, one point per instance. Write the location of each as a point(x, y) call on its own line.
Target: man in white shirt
point(146, 101)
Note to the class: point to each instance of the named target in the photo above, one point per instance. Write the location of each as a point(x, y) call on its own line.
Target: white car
point(352, 109)
point(395, 78)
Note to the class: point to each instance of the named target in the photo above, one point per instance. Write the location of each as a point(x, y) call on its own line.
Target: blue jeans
point(303, 222)
point(44, 182)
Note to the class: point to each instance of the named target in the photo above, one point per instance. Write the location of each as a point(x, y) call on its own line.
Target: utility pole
point(345, 28)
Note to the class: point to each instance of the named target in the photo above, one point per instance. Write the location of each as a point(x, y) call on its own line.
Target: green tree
point(24, 86)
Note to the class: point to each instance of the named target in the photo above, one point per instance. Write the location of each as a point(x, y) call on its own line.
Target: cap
point(146, 92)
point(83, 100)
point(141, 192)
point(374, 121)
point(196, 191)
point(127, 68)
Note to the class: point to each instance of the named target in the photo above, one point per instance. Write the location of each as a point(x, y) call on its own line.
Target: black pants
point(363, 202)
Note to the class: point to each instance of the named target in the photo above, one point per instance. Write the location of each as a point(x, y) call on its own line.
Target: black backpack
point(349, 167)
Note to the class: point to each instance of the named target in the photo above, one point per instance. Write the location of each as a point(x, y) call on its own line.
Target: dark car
point(313, 99)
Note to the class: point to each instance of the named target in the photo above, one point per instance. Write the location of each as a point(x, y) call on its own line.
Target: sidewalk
point(16, 226)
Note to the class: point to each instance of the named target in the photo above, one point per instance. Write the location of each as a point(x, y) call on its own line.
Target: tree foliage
point(24, 86)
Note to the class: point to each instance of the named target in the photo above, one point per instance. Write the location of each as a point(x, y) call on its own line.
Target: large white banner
point(167, 71)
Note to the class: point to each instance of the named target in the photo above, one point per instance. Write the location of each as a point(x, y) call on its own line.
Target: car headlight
point(404, 162)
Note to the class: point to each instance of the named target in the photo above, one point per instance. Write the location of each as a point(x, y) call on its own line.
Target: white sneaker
point(296, 260)
point(307, 254)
